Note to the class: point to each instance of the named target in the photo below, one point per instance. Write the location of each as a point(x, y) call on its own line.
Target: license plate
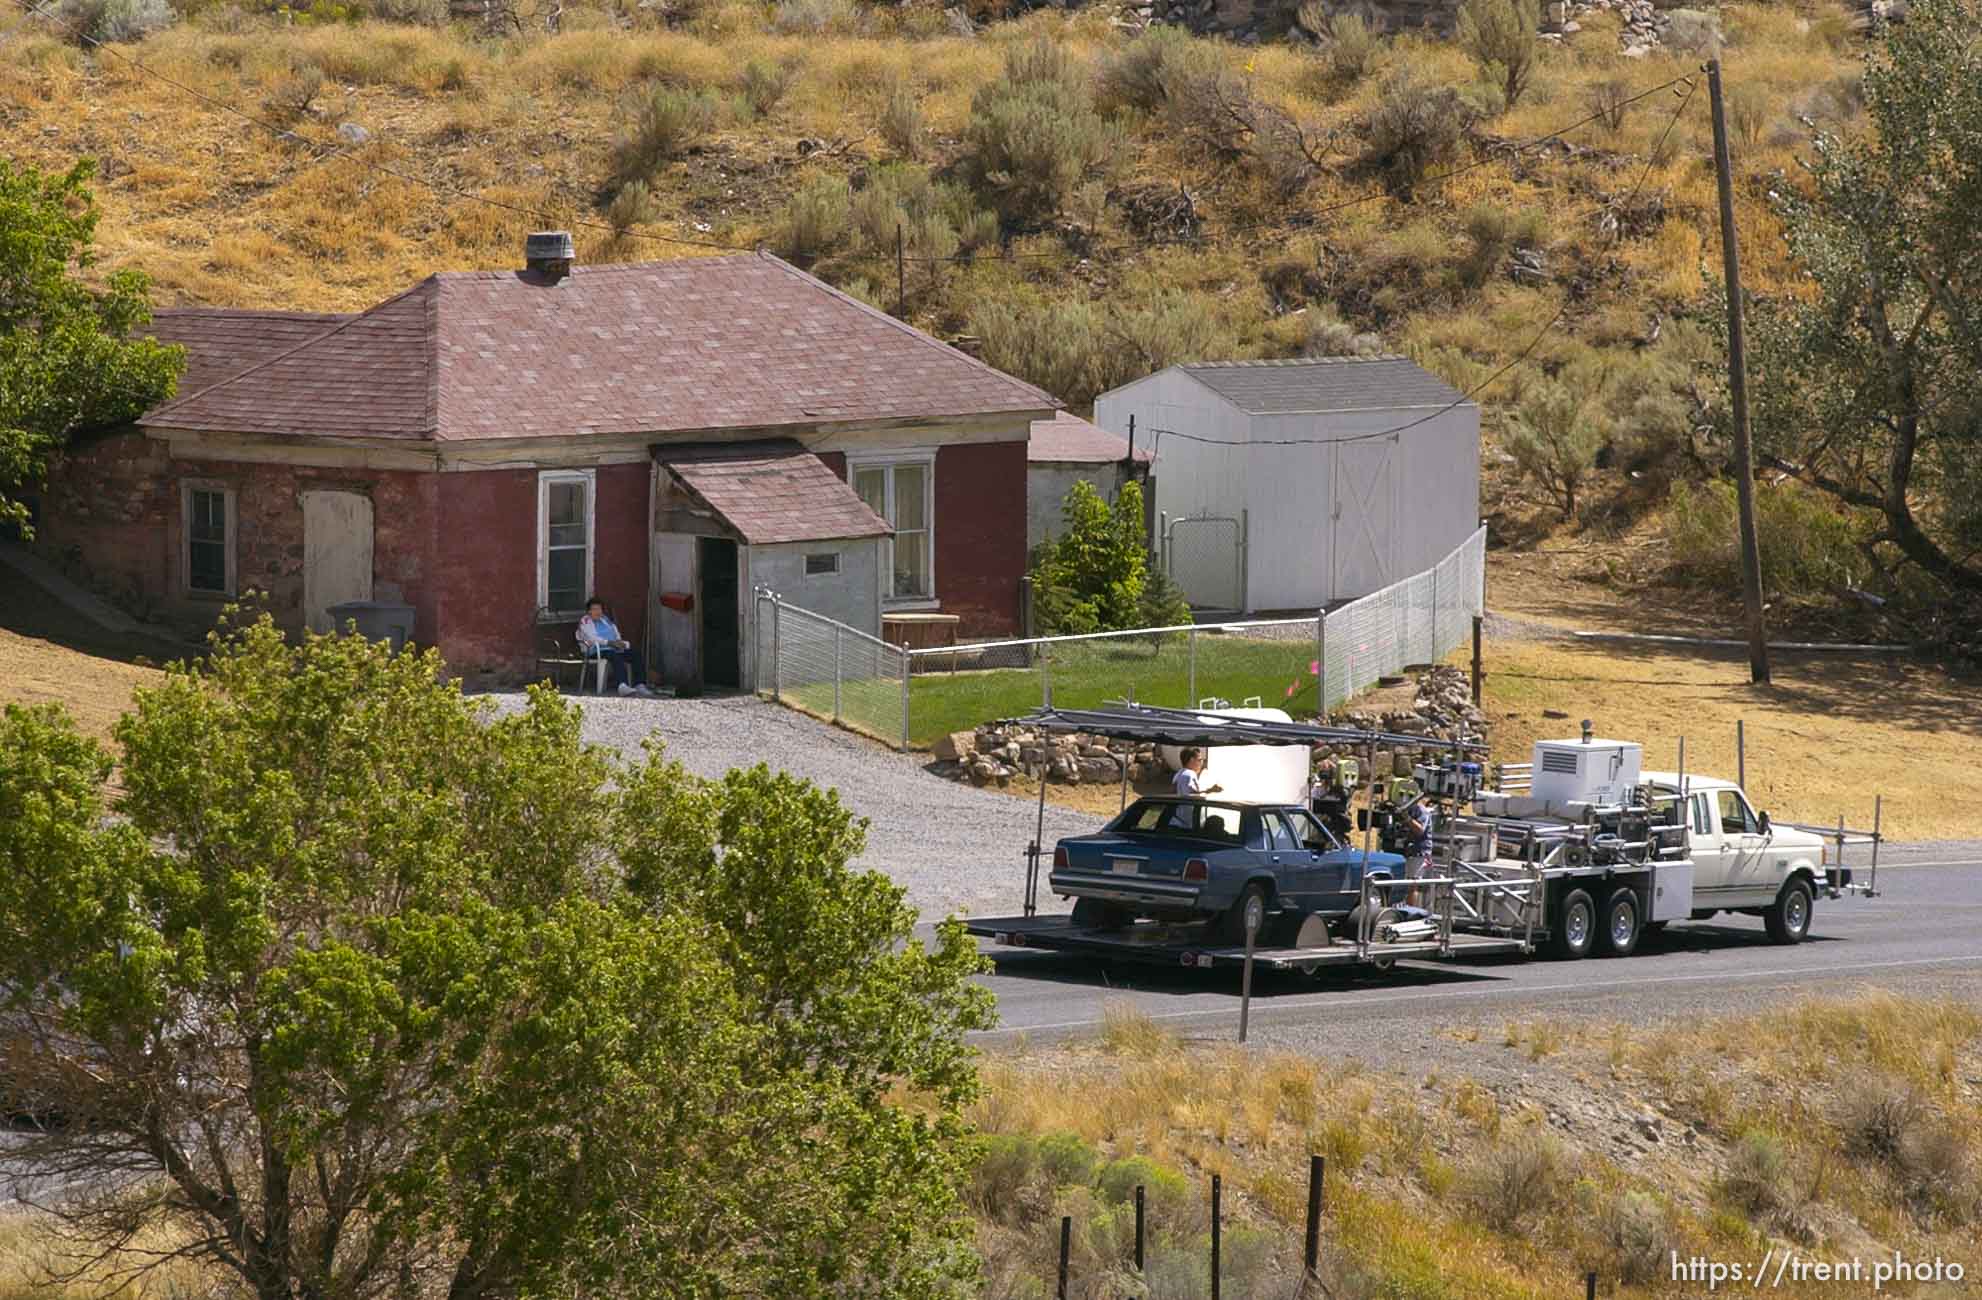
point(1124, 866)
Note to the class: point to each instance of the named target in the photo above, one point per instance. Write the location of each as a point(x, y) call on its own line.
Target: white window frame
point(545, 478)
point(232, 541)
point(927, 460)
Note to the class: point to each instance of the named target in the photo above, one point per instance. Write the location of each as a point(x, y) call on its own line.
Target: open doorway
point(721, 640)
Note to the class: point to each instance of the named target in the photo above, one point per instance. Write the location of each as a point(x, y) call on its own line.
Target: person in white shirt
point(1188, 782)
point(601, 639)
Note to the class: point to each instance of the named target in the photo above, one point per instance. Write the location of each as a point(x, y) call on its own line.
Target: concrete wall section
point(1047, 485)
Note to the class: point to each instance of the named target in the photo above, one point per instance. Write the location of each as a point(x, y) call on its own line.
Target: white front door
point(1364, 516)
point(337, 553)
point(1729, 858)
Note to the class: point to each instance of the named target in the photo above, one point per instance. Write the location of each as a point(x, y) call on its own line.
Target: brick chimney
point(550, 253)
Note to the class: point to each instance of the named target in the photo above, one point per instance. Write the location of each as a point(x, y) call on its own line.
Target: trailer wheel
point(1789, 920)
point(1575, 929)
point(1620, 922)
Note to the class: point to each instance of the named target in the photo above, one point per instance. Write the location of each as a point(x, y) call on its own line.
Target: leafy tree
point(1093, 576)
point(68, 363)
point(1554, 434)
point(1503, 37)
point(1867, 389)
point(369, 992)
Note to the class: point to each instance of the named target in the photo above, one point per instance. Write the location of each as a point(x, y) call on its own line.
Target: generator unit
point(1589, 770)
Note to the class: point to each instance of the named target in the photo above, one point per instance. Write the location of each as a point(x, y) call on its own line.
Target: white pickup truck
point(1617, 853)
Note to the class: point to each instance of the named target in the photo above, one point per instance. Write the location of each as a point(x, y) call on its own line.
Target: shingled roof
point(1312, 385)
point(221, 342)
point(773, 491)
point(1066, 439)
point(701, 344)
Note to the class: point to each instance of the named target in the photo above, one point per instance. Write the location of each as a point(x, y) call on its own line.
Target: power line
point(454, 191)
point(1617, 234)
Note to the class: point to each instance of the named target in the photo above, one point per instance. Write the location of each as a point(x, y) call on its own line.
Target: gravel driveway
point(955, 848)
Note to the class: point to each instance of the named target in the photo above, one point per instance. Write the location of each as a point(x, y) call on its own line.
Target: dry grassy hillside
point(221, 212)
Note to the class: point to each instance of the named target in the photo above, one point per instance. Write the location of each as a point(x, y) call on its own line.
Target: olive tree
point(1865, 387)
point(360, 989)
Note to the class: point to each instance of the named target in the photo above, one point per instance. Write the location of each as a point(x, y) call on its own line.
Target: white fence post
point(836, 672)
point(905, 667)
point(1190, 676)
point(777, 661)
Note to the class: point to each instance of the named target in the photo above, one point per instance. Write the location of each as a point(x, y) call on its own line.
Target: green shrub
point(659, 124)
point(1805, 540)
point(291, 96)
point(1089, 576)
point(1554, 433)
point(1076, 349)
point(1637, 1236)
point(1503, 36)
point(1034, 136)
point(1492, 233)
point(815, 220)
point(1517, 1180)
point(763, 85)
point(1144, 74)
point(86, 21)
point(633, 206)
point(1349, 45)
point(999, 1183)
point(1067, 1160)
point(1757, 1180)
point(1163, 601)
point(815, 17)
point(1413, 129)
point(900, 122)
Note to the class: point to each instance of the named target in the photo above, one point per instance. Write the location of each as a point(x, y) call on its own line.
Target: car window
point(1279, 837)
point(1311, 833)
point(1220, 824)
point(1703, 817)
point(1252, 831)
point(1735, 819)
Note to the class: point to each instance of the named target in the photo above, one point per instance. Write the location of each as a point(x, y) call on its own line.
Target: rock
point(352, 133)
point(1648, 1127)
point(956, 746)
point(1694, 31)
point(1636, 51)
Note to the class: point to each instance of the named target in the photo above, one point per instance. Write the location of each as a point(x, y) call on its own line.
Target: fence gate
point(1206, 556)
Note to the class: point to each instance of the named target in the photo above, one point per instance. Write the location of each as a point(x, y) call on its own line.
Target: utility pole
point(1737, 387)
point(901, 276)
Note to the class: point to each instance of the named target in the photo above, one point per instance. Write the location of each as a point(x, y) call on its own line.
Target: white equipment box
point(1585, 771)
point(1672, 891)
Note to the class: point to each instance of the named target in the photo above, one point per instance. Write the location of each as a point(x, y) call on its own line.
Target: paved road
point(1926, 924)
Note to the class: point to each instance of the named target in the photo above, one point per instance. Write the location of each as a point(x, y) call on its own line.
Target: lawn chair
point(560, 653)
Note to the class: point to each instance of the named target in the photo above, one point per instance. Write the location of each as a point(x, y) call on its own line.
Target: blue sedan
point(1207, 860)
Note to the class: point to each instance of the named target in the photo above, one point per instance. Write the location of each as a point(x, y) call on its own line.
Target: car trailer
point(1384, 934)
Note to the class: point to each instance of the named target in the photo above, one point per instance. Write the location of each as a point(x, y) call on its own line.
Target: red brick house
point(492, 447)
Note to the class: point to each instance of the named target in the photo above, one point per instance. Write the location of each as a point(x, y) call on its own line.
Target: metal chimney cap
point(1589, 731)
point(549, 246)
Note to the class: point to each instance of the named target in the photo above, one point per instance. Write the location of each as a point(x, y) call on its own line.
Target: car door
point(1315, 879)
point(1292, 864)
point(1745, 861)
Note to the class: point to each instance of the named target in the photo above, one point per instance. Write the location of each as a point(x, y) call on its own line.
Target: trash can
point(377, 620)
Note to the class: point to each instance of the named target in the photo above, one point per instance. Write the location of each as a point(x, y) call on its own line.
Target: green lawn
point(1274, 664)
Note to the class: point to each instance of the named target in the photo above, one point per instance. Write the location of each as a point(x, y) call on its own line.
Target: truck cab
point(1741, 860)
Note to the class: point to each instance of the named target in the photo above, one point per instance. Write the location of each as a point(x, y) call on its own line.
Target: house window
point(821, 563)
point(903, 494)
point(209, 524)
point(564, 540)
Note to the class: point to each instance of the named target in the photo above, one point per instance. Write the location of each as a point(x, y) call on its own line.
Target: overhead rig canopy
point(1152, 725)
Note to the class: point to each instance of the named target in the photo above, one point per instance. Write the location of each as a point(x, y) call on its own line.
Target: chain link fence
point(831, 670)
point(1419, 620)
point(1303, 665)
point(1206, 557)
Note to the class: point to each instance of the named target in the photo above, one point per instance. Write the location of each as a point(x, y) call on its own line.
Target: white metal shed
point(1339, 475)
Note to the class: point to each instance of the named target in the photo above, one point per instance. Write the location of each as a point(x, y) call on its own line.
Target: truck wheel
point(1620, 922)
point(1575, 929)
point(1253, 900)
point(1789, 920)
point(1093, 914)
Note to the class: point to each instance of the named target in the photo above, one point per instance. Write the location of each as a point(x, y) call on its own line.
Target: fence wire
point(1304, 665)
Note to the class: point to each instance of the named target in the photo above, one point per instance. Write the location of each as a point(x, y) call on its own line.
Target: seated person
point(600, 637)
point(1328, 799)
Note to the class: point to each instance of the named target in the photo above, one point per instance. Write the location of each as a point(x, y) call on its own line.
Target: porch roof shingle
point(773, 491)
point(698, 345)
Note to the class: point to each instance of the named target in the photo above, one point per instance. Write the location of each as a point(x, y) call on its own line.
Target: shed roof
point(1066, 439)
point(772, 491)
point(695, 345)
point(1324, 385)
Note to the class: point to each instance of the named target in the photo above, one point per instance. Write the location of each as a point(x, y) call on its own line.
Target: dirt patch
point(50, 655)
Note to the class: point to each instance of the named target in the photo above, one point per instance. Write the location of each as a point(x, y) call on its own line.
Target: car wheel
point(1620, 922)
point(1093, 914)
point(1575, 928)
point(1789, 920)
point(1251, 903)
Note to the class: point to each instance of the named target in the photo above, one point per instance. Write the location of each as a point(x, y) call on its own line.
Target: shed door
point(337, 553)
point(1364, 516)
